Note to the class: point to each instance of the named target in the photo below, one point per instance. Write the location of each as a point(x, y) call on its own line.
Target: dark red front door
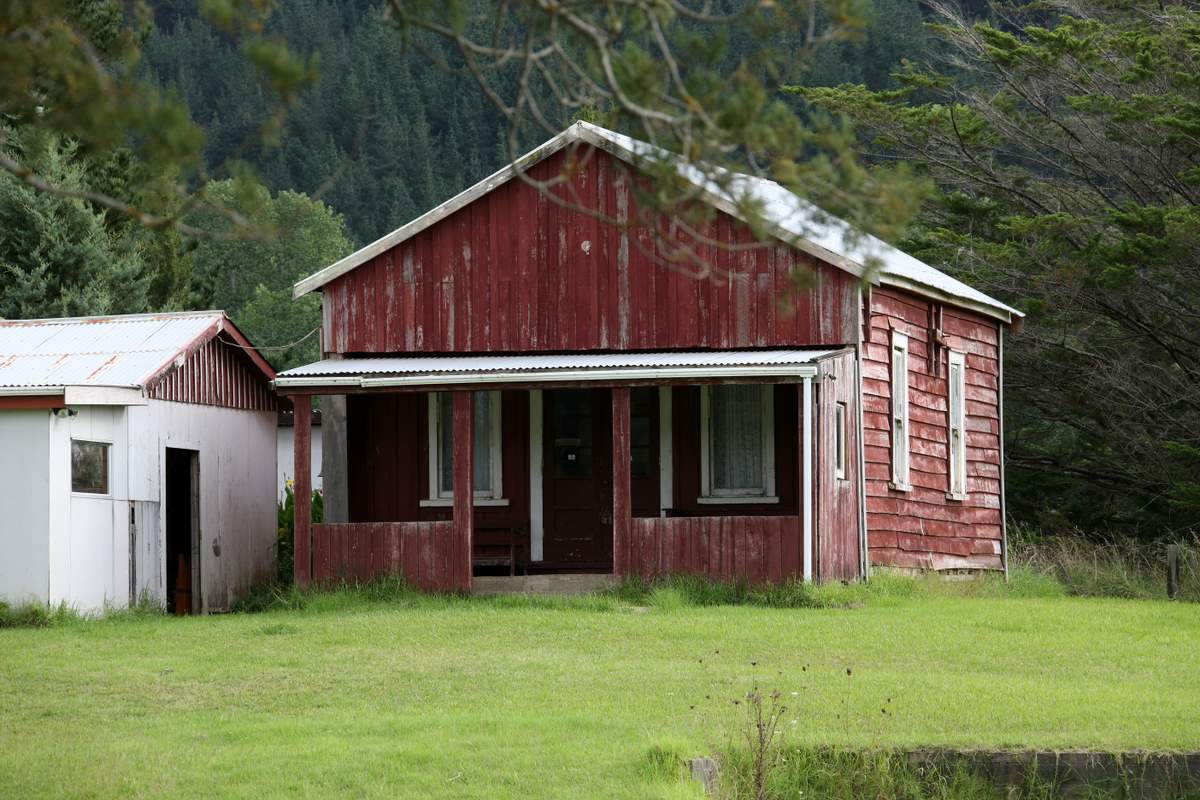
point(578, 477)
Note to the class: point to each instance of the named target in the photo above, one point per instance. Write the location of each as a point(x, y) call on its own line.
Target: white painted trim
point(861, 455)
point(666, 456)
point(448, 502)
point(103, 396)
point(716, 496)
point(31, 391)
point(536, 525)
point(956, 396)
point(496, 492)
point(901, 454)
point(734, 500)
point(806, 473)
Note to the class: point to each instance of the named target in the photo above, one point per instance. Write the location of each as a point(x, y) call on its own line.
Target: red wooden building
point(528, 388)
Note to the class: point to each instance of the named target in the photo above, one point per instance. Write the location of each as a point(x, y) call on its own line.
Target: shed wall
point(922, 527)
point(515, 271)
point(106, 549)
point(25, 521)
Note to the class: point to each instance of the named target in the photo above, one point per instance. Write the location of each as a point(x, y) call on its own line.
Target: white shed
point(137, 459)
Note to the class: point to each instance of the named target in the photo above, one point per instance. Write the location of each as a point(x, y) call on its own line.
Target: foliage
point(1064, 146)
point(58, 255)
point(252, 280)
point(69, 70)
point(880, 774)
point(1109, 567)
point(389, 131)
point(285, 533)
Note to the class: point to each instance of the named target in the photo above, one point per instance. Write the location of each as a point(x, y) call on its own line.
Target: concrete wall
point(285, 457)
point(24, 521)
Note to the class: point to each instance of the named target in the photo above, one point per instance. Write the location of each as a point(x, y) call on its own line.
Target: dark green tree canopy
point(1067, 152)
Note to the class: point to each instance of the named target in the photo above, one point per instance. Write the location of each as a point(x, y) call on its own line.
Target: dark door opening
point(182, 497)
point(578, 479)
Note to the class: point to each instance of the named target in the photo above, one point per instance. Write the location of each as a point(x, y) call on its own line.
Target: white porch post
point(806, 478)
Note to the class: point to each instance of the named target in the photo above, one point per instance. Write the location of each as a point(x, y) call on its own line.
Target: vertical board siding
point(757, 549)
point(423, 553)
point(922, 527)
point(517, 271)
point(838, 522)
point(217, 373)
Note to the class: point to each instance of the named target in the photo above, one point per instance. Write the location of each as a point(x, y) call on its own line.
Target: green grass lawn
point(509, 698)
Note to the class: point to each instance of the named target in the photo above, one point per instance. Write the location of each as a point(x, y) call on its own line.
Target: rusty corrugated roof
point(125, 351)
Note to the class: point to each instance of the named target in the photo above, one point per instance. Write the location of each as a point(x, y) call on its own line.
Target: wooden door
point(578, 478)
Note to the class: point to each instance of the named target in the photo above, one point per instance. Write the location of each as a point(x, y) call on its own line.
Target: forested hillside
point(384, 134)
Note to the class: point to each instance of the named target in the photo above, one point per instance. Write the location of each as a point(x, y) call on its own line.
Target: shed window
point(839, 440)
point(737, 444)
point(900, 476)
point(488, 457)
point(89, 467)
point(957, 425)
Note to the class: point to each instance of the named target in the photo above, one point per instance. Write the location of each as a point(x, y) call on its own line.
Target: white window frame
point(839, 439)
point(901, 455)
point(956, 434)
point(483, 497)
point(108, 463)
point(765, 494)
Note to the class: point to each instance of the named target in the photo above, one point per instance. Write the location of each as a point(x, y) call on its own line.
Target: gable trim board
point(789, 218)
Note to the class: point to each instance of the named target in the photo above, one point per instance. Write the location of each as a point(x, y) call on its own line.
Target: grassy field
point(444, 697)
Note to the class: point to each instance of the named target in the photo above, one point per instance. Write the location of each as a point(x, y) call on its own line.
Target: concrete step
point(567, 583)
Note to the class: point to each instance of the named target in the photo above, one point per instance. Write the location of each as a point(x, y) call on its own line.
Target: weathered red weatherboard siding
point(922, 527)
point(216, 373)
point(758, 549)
point(517, 272)
point(424, 553)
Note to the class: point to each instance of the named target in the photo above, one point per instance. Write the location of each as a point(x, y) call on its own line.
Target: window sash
point(956, 427)
point(89, 476)
point(900, 429)
point(716, 419)
point(488, 453)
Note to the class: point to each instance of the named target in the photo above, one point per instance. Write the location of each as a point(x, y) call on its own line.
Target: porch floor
point(576, 583)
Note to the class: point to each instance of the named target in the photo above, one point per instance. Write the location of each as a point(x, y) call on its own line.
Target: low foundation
point(561, 584)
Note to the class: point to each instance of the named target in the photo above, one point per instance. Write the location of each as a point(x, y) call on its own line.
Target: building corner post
point(622, 521)
point(302, 489)
point(464, 491)
point(806, 478)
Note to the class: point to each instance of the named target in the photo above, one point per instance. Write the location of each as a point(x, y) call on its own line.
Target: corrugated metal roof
point(123, 351)
point(795, 220)
point(514, 369)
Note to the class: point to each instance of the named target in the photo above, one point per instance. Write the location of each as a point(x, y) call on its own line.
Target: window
point(488, 461)
point(839, 440)
point(900, 411)
point(89, 467)
point(957, 425)
point(737, 444)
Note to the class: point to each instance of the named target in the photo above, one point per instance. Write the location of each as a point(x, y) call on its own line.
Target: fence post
point(1172, 571)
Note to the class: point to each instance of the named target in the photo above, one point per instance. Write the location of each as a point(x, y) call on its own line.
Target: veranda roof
point(345, 374)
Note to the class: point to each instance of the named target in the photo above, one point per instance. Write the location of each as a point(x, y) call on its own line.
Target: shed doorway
point(182, 497)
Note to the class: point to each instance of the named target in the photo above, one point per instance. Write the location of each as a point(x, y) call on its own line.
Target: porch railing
point(758, 549)
point(424, 553)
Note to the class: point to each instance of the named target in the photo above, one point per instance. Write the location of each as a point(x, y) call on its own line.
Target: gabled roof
point(131, 351)
point(788, 217)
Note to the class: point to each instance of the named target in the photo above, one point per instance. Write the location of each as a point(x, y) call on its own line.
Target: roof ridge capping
point(788, 217)
point(100, 318)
